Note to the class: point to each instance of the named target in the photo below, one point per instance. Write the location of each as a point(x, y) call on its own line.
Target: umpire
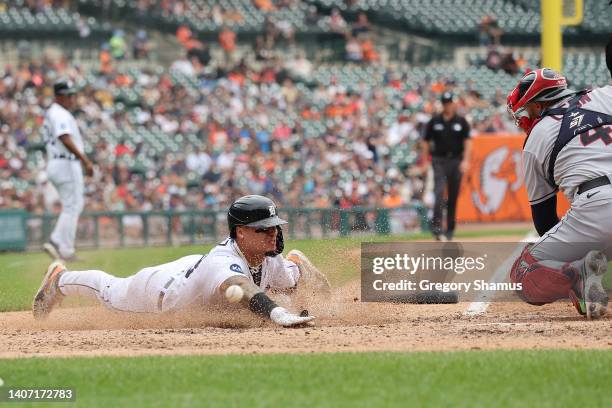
point(447, 137)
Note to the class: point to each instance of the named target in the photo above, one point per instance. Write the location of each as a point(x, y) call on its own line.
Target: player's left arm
point(542, 195)
point(259, 303)
point(544, 215)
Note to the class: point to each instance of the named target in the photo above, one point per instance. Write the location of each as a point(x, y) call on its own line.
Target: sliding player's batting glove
point(283, 317)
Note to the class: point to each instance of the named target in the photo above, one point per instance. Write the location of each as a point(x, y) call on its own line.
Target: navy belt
point(591, 184)
point(64, 157)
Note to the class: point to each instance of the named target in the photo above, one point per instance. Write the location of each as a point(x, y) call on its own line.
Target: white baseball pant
point(67, 177)
point(148, 291)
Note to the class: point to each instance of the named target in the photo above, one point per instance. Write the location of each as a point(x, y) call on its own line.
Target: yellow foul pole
point(552, 20)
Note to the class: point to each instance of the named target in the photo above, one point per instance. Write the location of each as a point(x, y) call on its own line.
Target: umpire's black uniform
point(446, 134)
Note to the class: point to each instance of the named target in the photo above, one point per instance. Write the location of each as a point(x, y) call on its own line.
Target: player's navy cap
point(64, 87)
point(447, 97)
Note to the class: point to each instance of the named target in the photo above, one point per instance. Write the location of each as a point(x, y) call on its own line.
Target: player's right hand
point(285, 318)
point(88, 168)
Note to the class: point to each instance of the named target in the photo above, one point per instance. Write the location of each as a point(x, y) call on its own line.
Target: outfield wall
point(121, 229)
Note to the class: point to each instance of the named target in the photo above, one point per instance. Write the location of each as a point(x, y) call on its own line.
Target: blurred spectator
point(401, 131)
point(262, 51)
point(123, 149)
point(393, 198)
point(369, 51)
point(105, 59)
point(264, 5)
point(489, 32)
point(337, 23)
point(118, 45)
point(299, 66)
point(285, 29)
point(227, 39)
point(141, 45)
point(362, 25)
point(521, 63)
point(184, 66)
point(494, 59)
point(216, 15)
point(312, 16)
point(354, 53)
point(186, 38)
point(509, 64)
point(83, 27)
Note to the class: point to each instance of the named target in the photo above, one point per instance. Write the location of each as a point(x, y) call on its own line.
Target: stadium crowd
point(349, 165)
point(251, 120)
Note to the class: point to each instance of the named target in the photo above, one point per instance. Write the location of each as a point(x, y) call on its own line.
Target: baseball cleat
point(590, 297)
point(578, 301)
point(52, 250)
point(48, 294)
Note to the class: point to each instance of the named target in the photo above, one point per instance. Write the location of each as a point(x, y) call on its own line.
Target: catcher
point(249, 258)
point(567, 148)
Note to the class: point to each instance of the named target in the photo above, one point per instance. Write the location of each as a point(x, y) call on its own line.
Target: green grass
point(20, 273)
point(470, 379)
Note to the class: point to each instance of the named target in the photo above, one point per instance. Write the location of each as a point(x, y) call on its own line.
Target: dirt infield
point(345, 325)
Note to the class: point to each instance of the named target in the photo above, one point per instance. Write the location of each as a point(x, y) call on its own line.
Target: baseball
point(234, 294)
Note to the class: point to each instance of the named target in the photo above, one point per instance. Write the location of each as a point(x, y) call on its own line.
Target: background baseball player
point(64, 158)
point(568, 148)
point(250, 258)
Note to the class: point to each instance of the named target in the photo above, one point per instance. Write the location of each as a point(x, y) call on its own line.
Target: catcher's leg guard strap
point(541, 284)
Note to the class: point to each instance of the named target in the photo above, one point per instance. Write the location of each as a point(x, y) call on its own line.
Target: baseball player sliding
point(64, 158)
point(568, 148)
point(248, 263)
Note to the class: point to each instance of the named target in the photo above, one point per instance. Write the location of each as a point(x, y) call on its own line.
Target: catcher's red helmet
point(540, 85)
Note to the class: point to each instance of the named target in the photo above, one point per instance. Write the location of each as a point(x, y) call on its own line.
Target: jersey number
point(602, 133)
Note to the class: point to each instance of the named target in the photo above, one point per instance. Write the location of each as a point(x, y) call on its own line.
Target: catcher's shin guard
point(542, 284)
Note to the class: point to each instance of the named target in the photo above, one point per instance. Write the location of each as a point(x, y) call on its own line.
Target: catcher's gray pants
point(585, 227)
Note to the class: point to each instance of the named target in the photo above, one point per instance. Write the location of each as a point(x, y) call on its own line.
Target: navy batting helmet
point(63, 87)
point(256, 211)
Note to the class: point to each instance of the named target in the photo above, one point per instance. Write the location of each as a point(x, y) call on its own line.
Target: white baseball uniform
point(191, 280)
point(65, 172)
point(588, 223)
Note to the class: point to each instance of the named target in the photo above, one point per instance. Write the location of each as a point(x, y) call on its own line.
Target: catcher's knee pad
point(541, 284)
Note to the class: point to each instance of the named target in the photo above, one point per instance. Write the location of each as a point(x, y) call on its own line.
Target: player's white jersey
point(585, 157)
point(58, 121)
point(198, 277)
